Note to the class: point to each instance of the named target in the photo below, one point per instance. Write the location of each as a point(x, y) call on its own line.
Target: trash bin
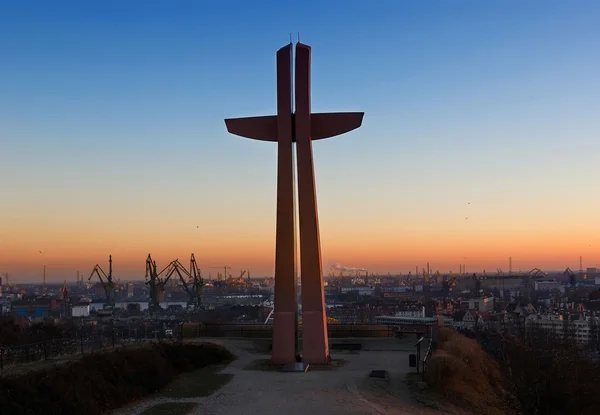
point(412, 360)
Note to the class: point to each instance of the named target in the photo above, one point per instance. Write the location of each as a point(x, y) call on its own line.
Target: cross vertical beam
point(285, 302)
point(315, 344)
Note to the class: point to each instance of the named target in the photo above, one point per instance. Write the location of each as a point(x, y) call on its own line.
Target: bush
point(551, 376)
point(104, 381)
point(467, 375)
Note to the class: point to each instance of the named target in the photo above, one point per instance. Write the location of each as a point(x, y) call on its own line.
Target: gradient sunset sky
point(112, 138)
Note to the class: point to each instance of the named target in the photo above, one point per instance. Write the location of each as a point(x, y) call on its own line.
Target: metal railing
point(193, 330)
point(426, 358)
point(85, 343)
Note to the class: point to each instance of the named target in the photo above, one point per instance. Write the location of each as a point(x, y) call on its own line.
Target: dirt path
point(345, 390)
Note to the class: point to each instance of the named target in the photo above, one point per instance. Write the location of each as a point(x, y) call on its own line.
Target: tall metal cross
point(285, 128)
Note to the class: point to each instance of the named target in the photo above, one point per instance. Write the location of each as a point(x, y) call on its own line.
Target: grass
point(170, 408)
point(427, 397)
point(197, 384)
point(265, 365)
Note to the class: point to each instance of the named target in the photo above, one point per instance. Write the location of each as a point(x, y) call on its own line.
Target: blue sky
point(114, 103)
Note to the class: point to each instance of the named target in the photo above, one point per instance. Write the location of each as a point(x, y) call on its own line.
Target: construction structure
point(156, 282)
point(191, 280)
point(192, 284)
point(286, 128)
point(107, 282)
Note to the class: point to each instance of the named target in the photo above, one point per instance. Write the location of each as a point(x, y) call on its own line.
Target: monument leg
point(286, 302)
point(315, 344)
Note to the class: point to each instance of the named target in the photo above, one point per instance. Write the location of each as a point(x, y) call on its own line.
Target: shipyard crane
point(572, 276)
point(107, 282)
point(477, 283)
point(64, 292)
point(156, 283)
point(224, 268)
point(447, 285)
point(192, 284)
point(198, 281)
point(536, 272)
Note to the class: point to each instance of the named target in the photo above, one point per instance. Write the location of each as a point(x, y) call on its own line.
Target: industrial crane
point(107, 282)
point(193, 285)
point(572, 276)
point(536, 272)
point(198, 281)
point(64, 292)
point(156, 283)
point(224, 268)
point(448, 285)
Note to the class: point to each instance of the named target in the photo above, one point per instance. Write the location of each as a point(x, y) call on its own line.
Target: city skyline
point(482, 120)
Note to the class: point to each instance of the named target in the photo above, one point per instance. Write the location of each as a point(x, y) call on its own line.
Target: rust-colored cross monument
point(286, 128)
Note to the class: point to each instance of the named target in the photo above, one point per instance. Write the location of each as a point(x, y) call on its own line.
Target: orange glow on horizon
point(378, 252)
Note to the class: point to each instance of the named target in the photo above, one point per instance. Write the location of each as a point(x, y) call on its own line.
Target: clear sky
point(112, 138)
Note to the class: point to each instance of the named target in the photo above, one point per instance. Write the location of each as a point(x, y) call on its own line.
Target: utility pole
point(509, 265)
point(44, 281)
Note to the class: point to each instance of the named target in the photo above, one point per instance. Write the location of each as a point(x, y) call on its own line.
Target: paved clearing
point(345, 390)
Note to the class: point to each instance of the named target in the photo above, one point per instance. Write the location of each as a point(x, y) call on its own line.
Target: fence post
point(81, 342)
point(113, 338)
point(45, 350)
point(1, 358)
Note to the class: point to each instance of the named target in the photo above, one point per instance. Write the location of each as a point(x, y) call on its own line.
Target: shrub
point(104, 381)
point(467, 375)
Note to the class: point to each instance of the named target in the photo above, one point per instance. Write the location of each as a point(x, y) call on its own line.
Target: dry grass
point(467, 375)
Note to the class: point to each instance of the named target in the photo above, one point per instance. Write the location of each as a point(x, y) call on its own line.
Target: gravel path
point(342, 391)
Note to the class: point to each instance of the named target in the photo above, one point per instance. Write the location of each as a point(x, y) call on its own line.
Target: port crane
point(572, 277)
point(196, 277)
point(224, 268)
point(447, 285)
point(156, 283)
point(192, 284)
point(107, 282)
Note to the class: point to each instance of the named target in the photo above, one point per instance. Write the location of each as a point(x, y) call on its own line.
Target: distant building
point(593, 273)
point(548, 285)
point(583, 328)
point(80, 309)
point(35, 307)
point(130, 290)
point(359, 290)
point(481, 304)
point(417, 312)
point(395, 289)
